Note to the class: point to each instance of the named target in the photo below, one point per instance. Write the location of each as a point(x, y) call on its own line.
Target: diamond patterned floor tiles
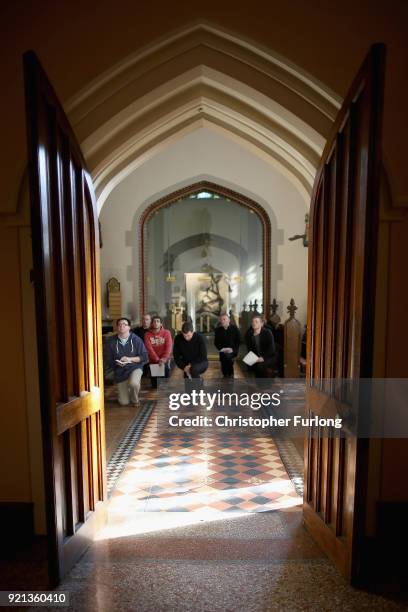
point(293, 463)
point(200, 471)
point(208, 472)
point(121, 455)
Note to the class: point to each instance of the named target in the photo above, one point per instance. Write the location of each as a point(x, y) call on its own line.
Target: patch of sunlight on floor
point(123, 523)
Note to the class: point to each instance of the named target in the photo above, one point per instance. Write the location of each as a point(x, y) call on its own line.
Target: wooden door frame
point(46, 423)
point(63, 550)
point(372, 71)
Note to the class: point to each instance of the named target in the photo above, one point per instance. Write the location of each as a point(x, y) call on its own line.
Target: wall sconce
point(305, 236)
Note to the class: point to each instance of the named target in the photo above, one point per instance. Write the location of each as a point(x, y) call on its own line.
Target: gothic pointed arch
point(203, 75)
point(222, 191)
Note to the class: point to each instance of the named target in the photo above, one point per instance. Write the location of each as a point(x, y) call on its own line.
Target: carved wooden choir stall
point(114, 299)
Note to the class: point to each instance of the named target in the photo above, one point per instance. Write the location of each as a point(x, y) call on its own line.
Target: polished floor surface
point(179, 562)
point(201, 523)
point(206, 523)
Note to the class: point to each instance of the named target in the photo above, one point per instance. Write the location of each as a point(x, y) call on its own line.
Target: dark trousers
point(227, 364)
point(197, 369)
point(261, 370)
point(153, 379)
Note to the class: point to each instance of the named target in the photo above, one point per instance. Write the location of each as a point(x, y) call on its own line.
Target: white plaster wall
point(210, 155)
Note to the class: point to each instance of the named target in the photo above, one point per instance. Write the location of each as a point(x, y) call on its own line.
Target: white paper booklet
point(250, 358)
point(156, 370)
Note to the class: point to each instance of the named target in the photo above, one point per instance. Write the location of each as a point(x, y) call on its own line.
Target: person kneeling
point(226, 340)
point(127, 355)
point(260, 341)
point(190, 352)
point(159, 343)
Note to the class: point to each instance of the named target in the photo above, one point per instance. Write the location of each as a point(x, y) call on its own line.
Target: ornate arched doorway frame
point(225, 192)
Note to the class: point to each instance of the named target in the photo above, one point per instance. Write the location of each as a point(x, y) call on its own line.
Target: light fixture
point(304, 237)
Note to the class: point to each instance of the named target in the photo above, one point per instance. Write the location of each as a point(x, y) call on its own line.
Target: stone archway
point(196, 240)
point(203, 75)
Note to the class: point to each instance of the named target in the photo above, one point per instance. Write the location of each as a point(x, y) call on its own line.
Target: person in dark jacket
point(190, 352)
point(227, 339)
point(259, 340)
point(127, 355)
point(140, 330)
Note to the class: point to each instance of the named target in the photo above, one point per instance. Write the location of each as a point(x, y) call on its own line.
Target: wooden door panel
point(66, 266)
point(342, 269)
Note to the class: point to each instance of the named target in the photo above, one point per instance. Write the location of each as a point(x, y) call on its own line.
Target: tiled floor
point(213, 473)
point(209, 472)
point(203, 523)
point(117, 420)
point(123, 450)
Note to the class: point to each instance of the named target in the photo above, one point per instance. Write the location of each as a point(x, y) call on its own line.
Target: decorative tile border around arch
point(221, 191)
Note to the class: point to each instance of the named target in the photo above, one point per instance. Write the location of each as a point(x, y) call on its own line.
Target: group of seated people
point(130, 353)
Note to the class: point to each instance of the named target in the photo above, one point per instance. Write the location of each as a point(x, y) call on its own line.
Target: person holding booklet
point(227, 339)
point(159, 345)
point(261, 348)
point(127, 355)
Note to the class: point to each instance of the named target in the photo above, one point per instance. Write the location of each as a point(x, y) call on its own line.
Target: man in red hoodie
point(159, 345)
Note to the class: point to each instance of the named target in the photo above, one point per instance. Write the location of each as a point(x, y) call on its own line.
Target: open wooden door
point(66, 276)
point(342, 271)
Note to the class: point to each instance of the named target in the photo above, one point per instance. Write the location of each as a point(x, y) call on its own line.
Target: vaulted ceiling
point(202, 76)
